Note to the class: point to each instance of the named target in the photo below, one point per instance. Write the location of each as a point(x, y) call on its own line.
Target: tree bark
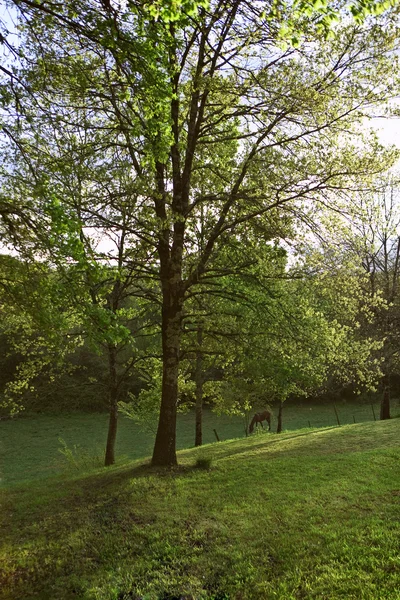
point(113, 403)
point(164, 453)
point(279, 427)
point(199, 389)
point(246, 423)
point(385, 402)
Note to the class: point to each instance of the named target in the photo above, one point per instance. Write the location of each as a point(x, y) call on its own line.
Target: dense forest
point(195, 209)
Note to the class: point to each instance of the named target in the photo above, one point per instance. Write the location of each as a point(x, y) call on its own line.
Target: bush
point(81, 459)
point(203, 462)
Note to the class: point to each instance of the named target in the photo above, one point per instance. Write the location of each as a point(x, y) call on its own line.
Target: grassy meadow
point(311, 514)
point(30, 446)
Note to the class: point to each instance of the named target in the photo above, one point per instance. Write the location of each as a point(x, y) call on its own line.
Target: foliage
point(38, 326)
point(79, 459)
point(144, 408)
point(203, 462)
point(366, 251)
point(324, 15)
point(298, 334)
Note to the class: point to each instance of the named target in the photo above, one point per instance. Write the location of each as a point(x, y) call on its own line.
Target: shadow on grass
point(328, 440)
point(84, 529)
point(273, 445)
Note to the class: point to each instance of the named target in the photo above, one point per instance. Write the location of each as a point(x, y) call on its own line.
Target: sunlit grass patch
point(309, 514)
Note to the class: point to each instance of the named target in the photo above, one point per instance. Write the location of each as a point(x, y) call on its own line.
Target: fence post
point(373, 412)
point(216, 435)
point(336, 413)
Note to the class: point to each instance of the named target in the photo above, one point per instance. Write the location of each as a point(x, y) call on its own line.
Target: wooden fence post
point(216, 435)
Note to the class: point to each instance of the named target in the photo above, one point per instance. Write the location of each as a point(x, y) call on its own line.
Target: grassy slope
point(305, 515)
point(29, 446)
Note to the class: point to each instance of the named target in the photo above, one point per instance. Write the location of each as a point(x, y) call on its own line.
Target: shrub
point(203, 462)
point(81, 459)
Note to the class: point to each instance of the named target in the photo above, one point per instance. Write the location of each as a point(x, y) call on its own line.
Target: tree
point(213, 117)
point(375, 241)
point(36, 325)
point(297, 329)
point(218, 316)
point(96, 282)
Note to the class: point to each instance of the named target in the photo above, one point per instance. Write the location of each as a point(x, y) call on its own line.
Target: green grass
point(305, 515)
point(29, 446)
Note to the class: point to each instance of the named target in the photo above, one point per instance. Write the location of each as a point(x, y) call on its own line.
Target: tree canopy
point(181, 140)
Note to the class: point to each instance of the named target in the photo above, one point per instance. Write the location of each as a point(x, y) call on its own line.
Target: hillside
point(308, 514)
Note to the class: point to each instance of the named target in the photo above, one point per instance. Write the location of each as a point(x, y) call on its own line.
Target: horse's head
point(253, 421)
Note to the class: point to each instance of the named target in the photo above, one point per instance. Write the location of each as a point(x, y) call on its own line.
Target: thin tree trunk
point(113, 403)
point(279, 427)
point(199, 389)
point(246, 423)
point(385, 402)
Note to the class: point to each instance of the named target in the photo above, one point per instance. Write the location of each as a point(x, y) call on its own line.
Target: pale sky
point(388, 130)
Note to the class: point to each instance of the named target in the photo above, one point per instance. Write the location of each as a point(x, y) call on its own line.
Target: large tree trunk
point(385, 402)
point(199, 390)
point(279, 427)
point(113, 403)
point(164, 453)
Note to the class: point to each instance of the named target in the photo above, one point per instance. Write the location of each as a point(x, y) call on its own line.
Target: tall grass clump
point(78, 459)
point(203, 462)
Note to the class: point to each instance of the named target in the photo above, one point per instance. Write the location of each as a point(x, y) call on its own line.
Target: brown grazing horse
point(259, 418)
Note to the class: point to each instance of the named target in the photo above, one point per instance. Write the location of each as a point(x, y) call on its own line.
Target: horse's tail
point(252, 424)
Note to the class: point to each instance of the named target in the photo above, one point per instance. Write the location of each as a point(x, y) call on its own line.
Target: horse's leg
point(261, 424)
